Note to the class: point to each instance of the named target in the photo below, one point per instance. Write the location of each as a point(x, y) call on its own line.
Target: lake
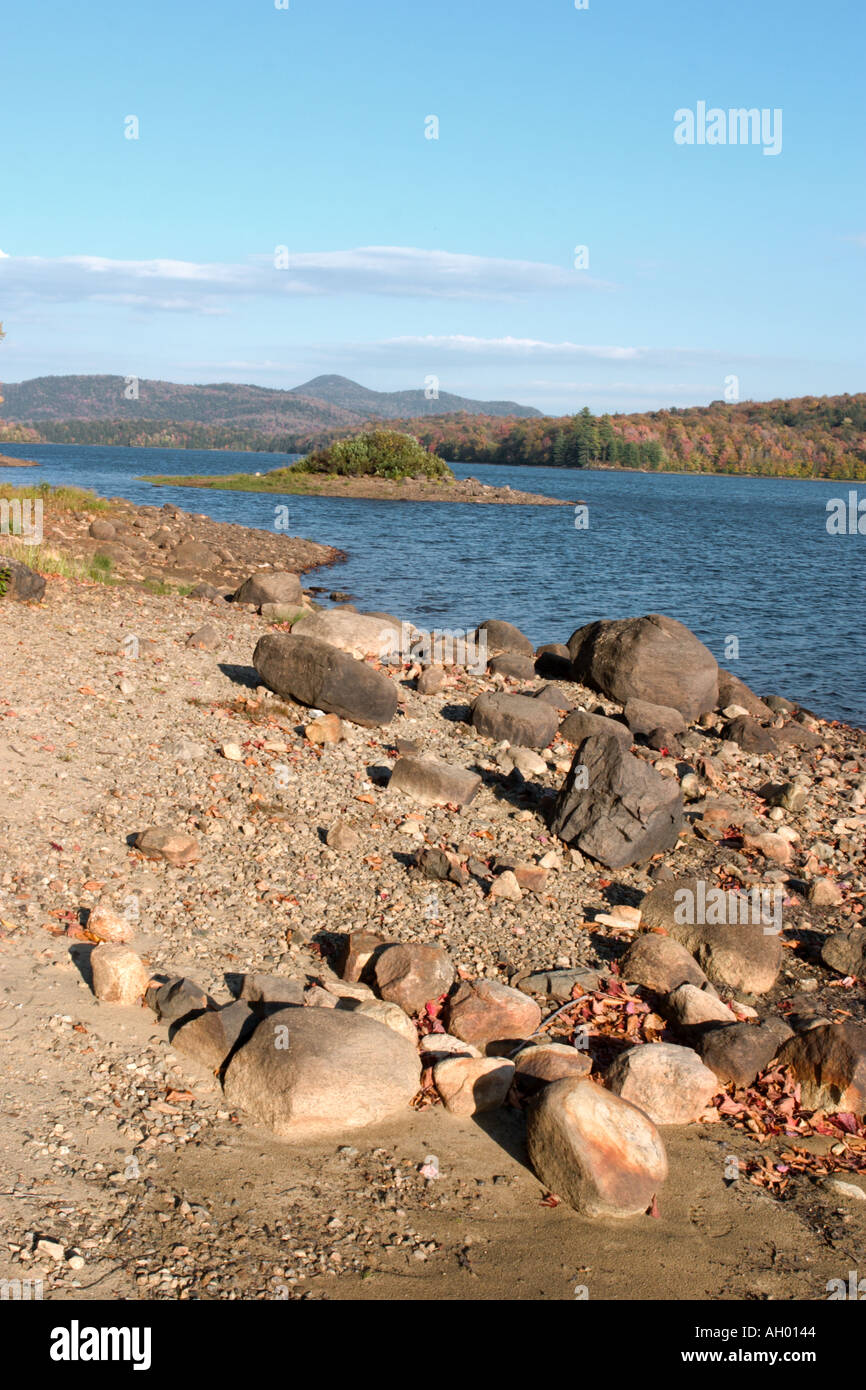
point(747, 563)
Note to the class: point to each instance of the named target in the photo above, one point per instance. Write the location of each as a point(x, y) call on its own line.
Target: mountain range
point(325, 402)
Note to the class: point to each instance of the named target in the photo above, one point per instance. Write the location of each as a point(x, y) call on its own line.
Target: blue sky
point(453, 257)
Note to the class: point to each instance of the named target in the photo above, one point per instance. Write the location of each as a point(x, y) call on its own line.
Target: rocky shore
point(167, 546)
point(330, 973)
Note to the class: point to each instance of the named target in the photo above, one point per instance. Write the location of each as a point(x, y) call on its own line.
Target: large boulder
point(796, 735)
point(654, 658)
point(751, 736)
point(739, 1052)
point(733, 691)
point(742, 955)
point(580, 724)
point(315, 1073)
point(276, 586)
point(19, 582)
point(359, 634)
point(119, 974)
point(594, 1150)
point(553, 660)
point(614, 807)
point(267, 993)
point(518, 668)
point(492, 1016)
point(556, 696)
point(503, 637)
point(539, 1064)
point(830, 1064)
point(412, 974)
point(845, 951)
point(659, 963)
point(642, 717)
point(519, 719)
point(668, 1083)
point(470, 1085)
point(210, 1037)
point(433, 782)
point(320, 675)
point(192, 555)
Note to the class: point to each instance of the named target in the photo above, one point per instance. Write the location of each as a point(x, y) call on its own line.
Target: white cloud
point(510, 347)
point(170, 285)
point(430, 347)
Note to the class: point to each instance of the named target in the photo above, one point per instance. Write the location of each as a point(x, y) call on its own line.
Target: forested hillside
point(809, 437)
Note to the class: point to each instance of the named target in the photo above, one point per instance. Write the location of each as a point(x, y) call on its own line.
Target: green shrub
point(378, 453)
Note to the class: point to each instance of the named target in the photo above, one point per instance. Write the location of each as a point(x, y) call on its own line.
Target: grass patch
point(280, 480)
point(283, 481)
point(59, 499)
point(159, 586)
point(44, 561)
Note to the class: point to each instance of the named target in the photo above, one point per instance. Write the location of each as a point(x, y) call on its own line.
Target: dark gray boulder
point(19, 582)
point(521, 668)
point(733, 691)
point(751, 736)
point(504, 637)
point(520, 719)
point(554, 695)
point(643, 717)
point(737, 1052)
point(616, 808)
point(270, 587)
point(845, 951)
point(320, 675)
point(654, 658)
point(553, 660)
point(580, 724)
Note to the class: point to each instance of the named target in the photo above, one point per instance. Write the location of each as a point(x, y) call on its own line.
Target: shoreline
point(235, 550)
point(300, 842)
point(462, 463)
point(118, 541)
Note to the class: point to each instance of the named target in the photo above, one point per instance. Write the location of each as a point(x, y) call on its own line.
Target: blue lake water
point(749, 559)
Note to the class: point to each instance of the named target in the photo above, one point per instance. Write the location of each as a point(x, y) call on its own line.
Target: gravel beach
point(128, 1171)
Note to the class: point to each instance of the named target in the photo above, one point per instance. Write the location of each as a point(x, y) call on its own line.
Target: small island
point(6, 461)
point(384, 465)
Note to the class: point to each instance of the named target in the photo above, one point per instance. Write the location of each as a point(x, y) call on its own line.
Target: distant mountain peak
point(341, 391)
